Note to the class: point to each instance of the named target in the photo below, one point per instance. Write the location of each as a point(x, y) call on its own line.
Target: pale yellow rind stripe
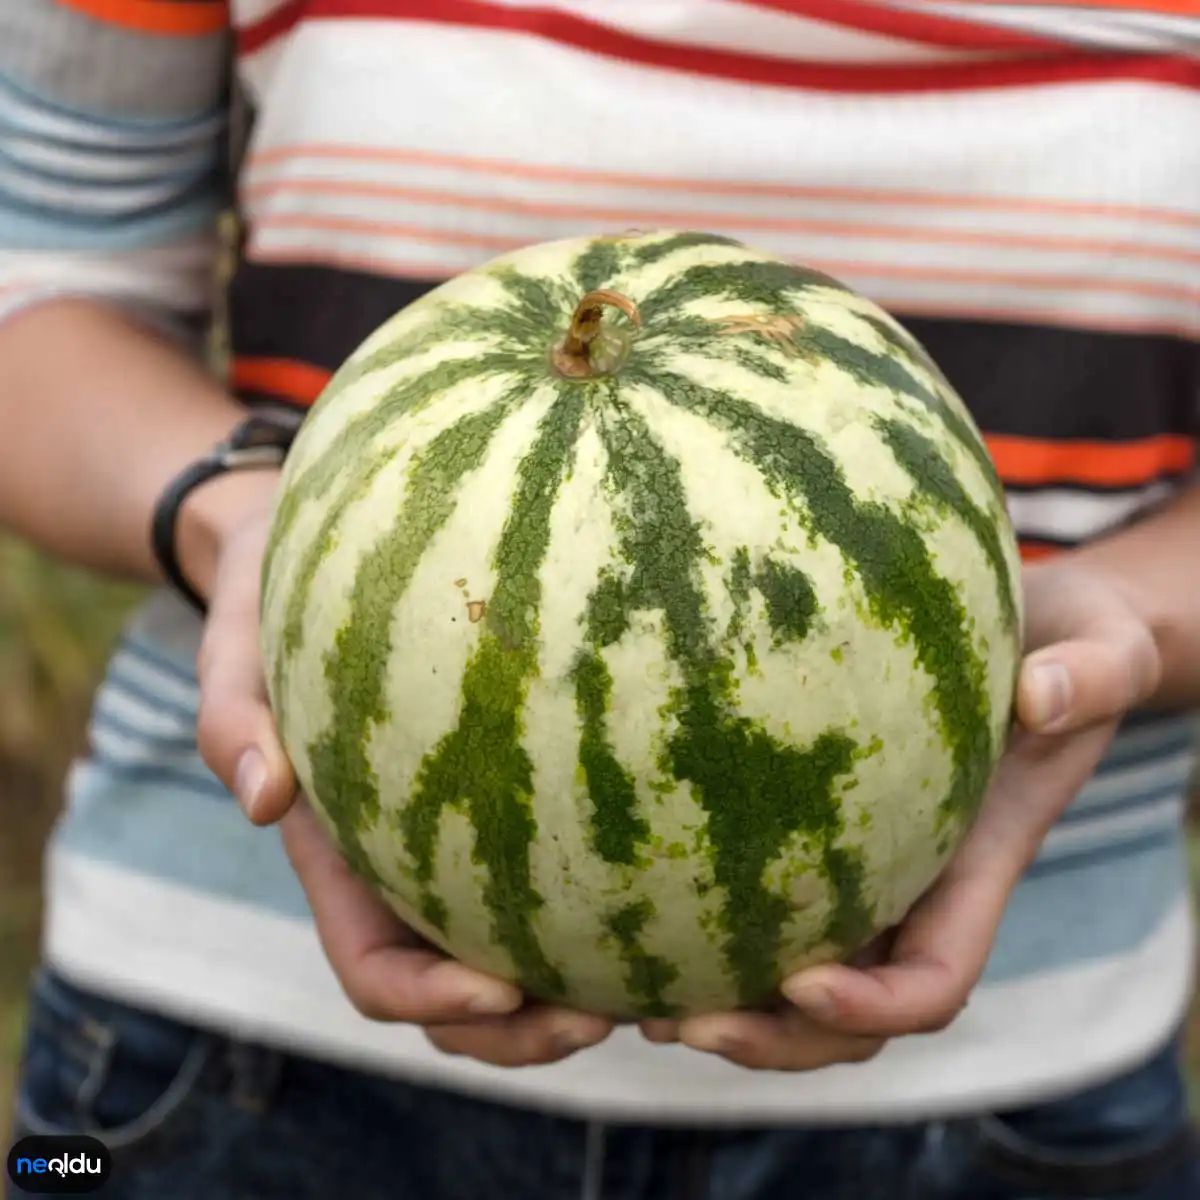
point(433, 639)
point(565, 864)
point(686, 927)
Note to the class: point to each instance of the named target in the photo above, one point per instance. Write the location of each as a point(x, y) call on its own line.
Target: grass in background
point(57, 627)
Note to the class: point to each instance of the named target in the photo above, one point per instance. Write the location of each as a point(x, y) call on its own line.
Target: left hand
point(1089, 657)
point(386, 970)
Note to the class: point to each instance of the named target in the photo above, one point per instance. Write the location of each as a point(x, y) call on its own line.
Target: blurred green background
point(57, 627)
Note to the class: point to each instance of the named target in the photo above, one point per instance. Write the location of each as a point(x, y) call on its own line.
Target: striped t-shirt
point(1018, 183)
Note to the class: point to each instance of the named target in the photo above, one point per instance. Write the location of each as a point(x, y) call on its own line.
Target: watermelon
point(642, 616)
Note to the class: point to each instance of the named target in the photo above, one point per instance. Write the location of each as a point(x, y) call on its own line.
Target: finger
point(387, 972)
point(783, 1041)
point(1071, 684)
point(659, 1030)
point(936, 962)
point(534, 1036)
point(236, 731)
point(939, 951)
point(1092, 654)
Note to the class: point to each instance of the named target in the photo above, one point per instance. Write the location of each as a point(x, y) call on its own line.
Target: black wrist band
point(262, 440)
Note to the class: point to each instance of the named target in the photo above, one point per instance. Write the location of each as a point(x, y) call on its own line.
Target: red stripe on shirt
point(589, 36)
point(1173, 8)
point(928, 29)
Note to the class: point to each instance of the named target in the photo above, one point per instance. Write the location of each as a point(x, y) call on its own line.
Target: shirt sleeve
point(112, 148)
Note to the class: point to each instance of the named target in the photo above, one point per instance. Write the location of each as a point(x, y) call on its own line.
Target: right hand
point(386, 969)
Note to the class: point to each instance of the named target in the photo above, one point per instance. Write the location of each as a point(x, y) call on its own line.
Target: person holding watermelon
point(223, 1000)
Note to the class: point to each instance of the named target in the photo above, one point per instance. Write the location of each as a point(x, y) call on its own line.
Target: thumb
point(235, 729)
point(1075, 683)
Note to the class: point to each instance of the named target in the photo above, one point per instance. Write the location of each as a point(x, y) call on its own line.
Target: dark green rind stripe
point(899, 339)
point(357, 666)
point(903, 590)
point(538, 308)
point(599, 264)
point(697, 335)
point(905, 345)
point(791, 600)
point(765, 285)
point(481, 765)
point(355, 444)
point(757, 364)
point(523, 328)
point(851, 923)
point(934, 479)
point(769, 287)
point(885, 371)
point(755, 791)
point(902, 343)
point(647, 976)
point(617, 830)
point(790, 597)
point(452, 323)
point(649, 253)
point(739, 580)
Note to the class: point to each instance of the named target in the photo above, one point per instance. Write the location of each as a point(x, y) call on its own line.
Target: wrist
point(212, 513)
point(203, 506)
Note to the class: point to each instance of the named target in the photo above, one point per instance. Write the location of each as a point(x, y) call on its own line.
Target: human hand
point(387, 971)
point(1089, 657)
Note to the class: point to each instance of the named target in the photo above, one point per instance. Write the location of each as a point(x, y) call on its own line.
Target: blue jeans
point(190, 1115)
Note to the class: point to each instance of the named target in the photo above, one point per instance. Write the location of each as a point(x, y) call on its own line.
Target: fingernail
point(716, 1043)
point(1050, 695)
point(489, 1003)
point(660, 1031)
point(567, 1040)
point(813, 998)
point(249, 780)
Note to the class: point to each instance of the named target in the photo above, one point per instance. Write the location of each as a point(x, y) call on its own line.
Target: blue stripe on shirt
point(73, 183)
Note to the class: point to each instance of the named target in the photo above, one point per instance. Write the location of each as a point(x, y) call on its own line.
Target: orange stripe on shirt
point(610, 217)
point(285, 378)
point(1030, 462)
point(319, 224)
point(510, 168)
point(171, 18)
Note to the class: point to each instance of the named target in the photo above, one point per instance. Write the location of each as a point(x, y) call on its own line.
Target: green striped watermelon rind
point(731, 846)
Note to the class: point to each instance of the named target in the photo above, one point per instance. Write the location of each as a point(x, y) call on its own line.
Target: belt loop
point(593, 1162)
